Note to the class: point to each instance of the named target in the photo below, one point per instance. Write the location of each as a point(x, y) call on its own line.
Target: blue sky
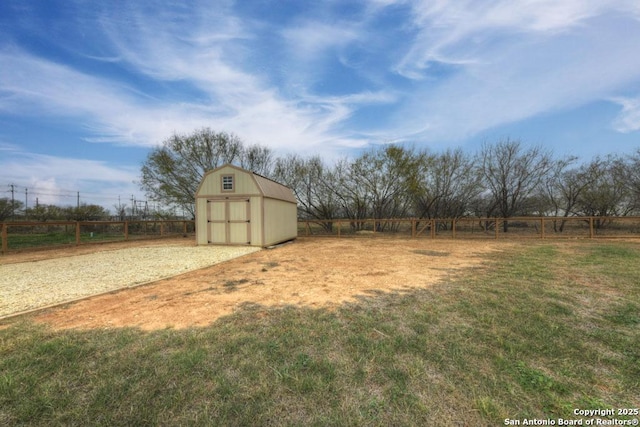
point(87, 88)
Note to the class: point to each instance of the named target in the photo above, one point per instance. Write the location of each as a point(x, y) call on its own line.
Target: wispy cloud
point(111, 110)
point(515, 60)
point(309, 41)
point(448, 70)
point(629, 118)
point(204, 49)
point(458, 32)
point(5, 146)
point(56, 180)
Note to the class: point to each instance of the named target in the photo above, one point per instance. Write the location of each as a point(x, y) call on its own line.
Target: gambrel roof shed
point(235, 206)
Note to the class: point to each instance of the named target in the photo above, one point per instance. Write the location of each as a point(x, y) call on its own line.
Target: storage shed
point(235, 206)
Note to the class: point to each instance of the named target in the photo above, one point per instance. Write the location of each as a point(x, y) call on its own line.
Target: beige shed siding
point(243, 182)
point(256, 221)
point(285, 227)
point(201, 221)
point(272, 209)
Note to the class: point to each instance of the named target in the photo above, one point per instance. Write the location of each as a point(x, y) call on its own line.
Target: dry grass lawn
point(311, 273)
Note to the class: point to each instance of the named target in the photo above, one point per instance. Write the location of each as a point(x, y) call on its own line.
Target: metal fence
point(31, 235)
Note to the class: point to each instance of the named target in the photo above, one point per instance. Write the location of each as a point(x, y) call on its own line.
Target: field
point(342, 332)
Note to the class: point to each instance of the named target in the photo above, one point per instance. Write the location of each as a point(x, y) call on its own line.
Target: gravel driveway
point(29, 285)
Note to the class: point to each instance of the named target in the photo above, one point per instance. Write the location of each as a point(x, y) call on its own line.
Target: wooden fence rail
point(25, 235)
point(495, 228)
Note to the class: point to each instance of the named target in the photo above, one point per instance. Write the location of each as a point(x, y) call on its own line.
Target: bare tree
point(609, 193)
point(258, 159)
point(354, 199)
point(85, 212)
point(42, 212)
point(9, 208)
point(121, 211)
point(633, 177)
point(387, 176)
point(513, 174)
point(310, 181)
point(449, 183)
point(566, 190)
point(172, 172)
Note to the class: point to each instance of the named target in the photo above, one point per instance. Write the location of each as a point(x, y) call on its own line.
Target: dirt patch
point(308, 272)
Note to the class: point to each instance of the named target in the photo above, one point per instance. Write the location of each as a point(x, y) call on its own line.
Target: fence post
point(433, 228)
point(497, 227)
point(413, 228)
point(126, 230)
point(591, 227)
point(542, 228)
point(5, 239)
point(453, 227)
point(77, 233)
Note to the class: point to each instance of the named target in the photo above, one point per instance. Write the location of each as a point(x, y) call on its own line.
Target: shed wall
point(271, 220)
point(211, 185)
point(256, 221)
point(201, 221)
point(280, 221)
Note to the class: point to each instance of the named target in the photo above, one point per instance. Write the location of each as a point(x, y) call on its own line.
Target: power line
point(41, 191)
point(138, 206)
point(60, 192)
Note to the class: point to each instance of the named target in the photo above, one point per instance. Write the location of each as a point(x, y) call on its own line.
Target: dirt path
point(308, 272)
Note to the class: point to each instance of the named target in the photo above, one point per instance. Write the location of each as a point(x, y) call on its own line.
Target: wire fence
point(32, 235)
point(477, 228)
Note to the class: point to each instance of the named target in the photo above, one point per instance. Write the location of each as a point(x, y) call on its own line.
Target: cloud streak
point(629, 118)
point(515, 64)
point(207, 57)
point(331, 78)
point(56, 180)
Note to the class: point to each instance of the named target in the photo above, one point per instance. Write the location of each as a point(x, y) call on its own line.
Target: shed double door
point(229, 221)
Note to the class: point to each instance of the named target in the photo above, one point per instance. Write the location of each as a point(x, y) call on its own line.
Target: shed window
point(227, 183)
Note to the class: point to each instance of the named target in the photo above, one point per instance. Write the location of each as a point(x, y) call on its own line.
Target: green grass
point(33, 240)
point(543, 330)
point(23, 241)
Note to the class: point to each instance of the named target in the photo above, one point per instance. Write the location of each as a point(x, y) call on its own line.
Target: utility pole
point(13, 203)
point(26, 203)
point(78, 200)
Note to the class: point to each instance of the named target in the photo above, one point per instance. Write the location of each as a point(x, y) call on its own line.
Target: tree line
point(15, 210)
point(502, 179)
